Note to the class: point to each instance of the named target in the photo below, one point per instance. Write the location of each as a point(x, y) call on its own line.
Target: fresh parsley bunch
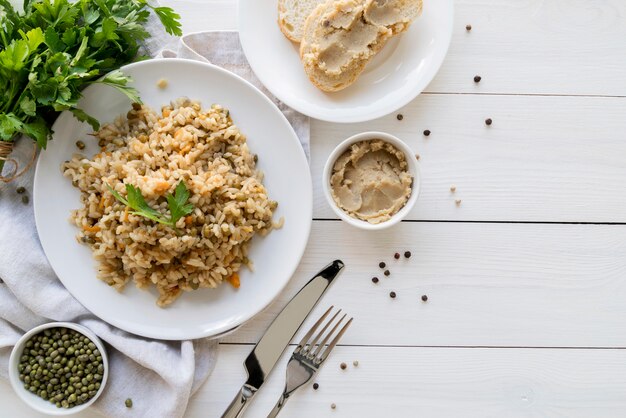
point(55, 48)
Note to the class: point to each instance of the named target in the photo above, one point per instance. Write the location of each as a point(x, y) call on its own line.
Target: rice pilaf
point(155, 152)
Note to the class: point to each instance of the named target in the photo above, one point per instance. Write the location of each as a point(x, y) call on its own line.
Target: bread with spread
point(292, 14)
point(341, 36)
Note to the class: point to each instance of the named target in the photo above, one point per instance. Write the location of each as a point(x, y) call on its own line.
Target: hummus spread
point(371, 181)
point(350, 31)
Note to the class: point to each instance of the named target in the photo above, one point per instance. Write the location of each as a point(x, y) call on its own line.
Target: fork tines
point(318, 351)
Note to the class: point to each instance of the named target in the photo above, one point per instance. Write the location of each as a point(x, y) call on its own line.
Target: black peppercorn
point(316, 386)
point(424, 298)
point(400, 116)
point(488, 121)
point(426, 132)
point(396, 256)
point(375, 279)
point(407, 254)
point(468, 27)
point(477, 79)
point(392, 295)
point(386, 273)
point(382, 265)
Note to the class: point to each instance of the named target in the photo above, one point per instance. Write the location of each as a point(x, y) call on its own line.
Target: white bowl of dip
point(372, 193)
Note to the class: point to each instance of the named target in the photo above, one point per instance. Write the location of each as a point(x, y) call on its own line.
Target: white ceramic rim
point(413, 169)
point(227, 328)
point(35, 401)
point(343, 116)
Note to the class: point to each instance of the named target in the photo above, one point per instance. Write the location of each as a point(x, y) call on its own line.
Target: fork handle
point(279, 405)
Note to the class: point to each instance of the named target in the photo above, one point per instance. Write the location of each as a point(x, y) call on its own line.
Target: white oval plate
point(399, 73)
point(204, 312)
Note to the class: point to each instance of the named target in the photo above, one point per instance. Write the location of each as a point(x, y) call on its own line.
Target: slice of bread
point(341, 37)
point(292, 14)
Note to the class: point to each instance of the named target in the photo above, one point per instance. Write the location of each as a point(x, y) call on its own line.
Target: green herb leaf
point(10, 125)
point(170, 20)
point(82, 116)
point(53, 41)
point(177, 203)
point(120, 81)
point(39, 131)
point(28, 106)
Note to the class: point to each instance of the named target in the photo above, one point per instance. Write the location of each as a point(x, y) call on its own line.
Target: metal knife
point(268, 350)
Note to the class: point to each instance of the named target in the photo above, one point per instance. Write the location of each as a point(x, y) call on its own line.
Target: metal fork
point(309, 356)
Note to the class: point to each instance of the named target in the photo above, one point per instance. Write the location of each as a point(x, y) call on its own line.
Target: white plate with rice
point(187, 267)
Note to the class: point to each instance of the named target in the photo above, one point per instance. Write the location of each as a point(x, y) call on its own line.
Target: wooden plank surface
point(555, 159)
point(487, 284)
point(421, 382)
point(444, 383)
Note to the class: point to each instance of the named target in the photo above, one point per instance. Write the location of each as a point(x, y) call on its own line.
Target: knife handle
point(240, 403)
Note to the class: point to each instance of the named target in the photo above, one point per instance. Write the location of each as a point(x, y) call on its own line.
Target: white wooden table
point(526, 280)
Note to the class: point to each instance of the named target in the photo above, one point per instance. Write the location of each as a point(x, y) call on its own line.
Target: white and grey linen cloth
point(159, 376)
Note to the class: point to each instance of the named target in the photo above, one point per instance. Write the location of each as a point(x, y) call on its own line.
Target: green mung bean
point(61, 366)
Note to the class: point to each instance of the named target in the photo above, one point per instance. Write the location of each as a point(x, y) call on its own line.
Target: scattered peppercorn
point(477, 79)
point(343, 366)
point(386, 273)
point(333, 406)
point(400, 116)
point(407, 254)
point(468, 27)
point(488, 121)
point(20, 190)
point(458, 202)
point(417, 156)
point(396, 256)
point(355, 363)
point(426, 132)
point(453, 188)
point(392, 295)
point(129, 403)
point(424, 298)
point(382, 265)
point(25, 200)
point(80, 145)
point(375, 279)
point(316, 386)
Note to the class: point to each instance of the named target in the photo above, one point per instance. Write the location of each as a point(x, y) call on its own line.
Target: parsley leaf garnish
point(177, 204)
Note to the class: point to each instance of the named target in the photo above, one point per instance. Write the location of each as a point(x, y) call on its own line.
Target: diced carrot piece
point(161, 187)
point(188, 220)
point(234, 280)
point(92, 229)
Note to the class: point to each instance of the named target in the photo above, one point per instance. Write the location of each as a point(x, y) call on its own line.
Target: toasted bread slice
point(292, 14)
point(341, 37)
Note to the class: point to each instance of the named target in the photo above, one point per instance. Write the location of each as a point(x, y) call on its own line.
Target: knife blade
point(270, 347)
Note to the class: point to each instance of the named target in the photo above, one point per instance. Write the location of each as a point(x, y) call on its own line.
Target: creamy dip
point(350, 31)
point(371, 181)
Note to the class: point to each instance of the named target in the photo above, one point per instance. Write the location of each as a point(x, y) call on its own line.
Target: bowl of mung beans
point(59, 368)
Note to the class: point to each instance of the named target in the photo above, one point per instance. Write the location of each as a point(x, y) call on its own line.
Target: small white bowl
point(413, 170)
point(35, 401)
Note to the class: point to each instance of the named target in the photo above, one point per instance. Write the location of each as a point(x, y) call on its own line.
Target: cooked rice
point(154, 152)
